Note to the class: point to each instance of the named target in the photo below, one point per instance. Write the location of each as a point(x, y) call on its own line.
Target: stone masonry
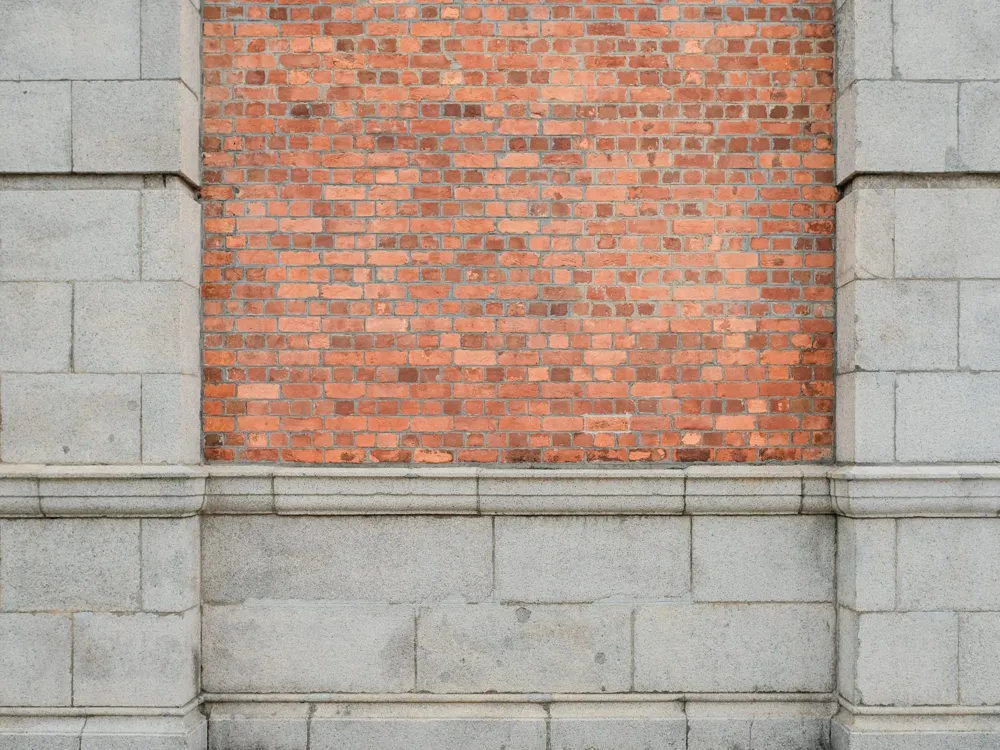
point(734, 582)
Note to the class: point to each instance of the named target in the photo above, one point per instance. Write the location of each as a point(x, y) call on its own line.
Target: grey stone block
point(947, 416)
point(538, 648)
point(980, 310)
point(171, 234)
point(442, 727)
point(386, 559)
point(135, 127)
point(592, 558)
point(757, 725)
point(898, 325)
point(866, 417)
point(37, 320)
point(864, 41)
point(630, 726)
point(145, 732)
point(897, 126)
point(69, 235)
point(761, 559)
point(40, 733)
point(282, 726)
point(906, 740)
point(907, 659)
point(710, 733)
point(35, 660)
point(734, 647)
point(308, 648)
point(978, 128)
point(979, 658)
point(949, 563)
point(847, 653)
point(866, 564)
point(67, 39)
point(171, 418)
point(171, 564)
point(69, 564)
point(171, 41)
point(138, 659)
point(147, 327)
point(728, 490)
point(64, 419)
point(562, 491)
point(361, 491)
point(34, 126)
point(946, 40)
point(865, 224)
point(947, 233)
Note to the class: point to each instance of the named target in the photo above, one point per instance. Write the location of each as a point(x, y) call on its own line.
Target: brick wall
point(479, 232)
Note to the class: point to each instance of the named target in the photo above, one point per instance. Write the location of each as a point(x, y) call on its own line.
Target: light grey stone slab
point(35, 657)
point(734, 647)
point(947, 416)
point(980, 310)
point(69, 235)
point(946, 40)
point(978, 129)
point(758, 725)
point(949, 564)
point(734, 490)
point(67, 39)
point(34, 126)
point(282, 726)
point(866, 564)
point(308, 648)
point(536, 648)
point(145, 733)
point(592, 558)
point(171, 233)
point(389, 490)
point(864, 41)
point(847, 653)
point(631, 726)
point(897, 126)
point(37, 321)
point(918, 741)
point(147, 327)
point(898, 325)
point(79, 564)
point(580, 491)
point(386, 559)
point(171, 41)
point(946, 233)
point(40, 732)
point(781, 559)
point(979, 658)
point(865, 226)
point(442, 727)
point(866, 417)
point(907, 659)
point(135, 127)
point(171, 564)
point(171, 417)
point(141, 659)
point(711, 733)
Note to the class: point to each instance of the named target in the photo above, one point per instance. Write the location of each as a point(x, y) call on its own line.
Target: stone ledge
point(162, 731)
point(907, 731)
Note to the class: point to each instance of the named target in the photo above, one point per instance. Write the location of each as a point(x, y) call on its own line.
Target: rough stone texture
point(171, 564)
point(69, 235)
point(734, 647)
point(34, 125)
point(37, 321)
point(534, 648)
point(65, 419)
point(866, 417)
point(146, 327)
point(945, 233)
point(391, 559)
point(67, 39)
point(171, 423)
point(251, 725)
point(40, 733)
point(978, 129)
point(933, 41)
point(171, 41)
point(847, 653)
point(757, 725)
point(35, 656)
point(979, 658)
point(762, 559)
point(960, 427)
point(862, 53)
point(866, 564)
point(135, 127)
point(308, 648)
point(171, 234)
point(949, 564)
point(980, 306)
point(907, 659)
point(455, 727)
point(592, 558)
point(865, 235)
point(633, 726)
point(69, 564)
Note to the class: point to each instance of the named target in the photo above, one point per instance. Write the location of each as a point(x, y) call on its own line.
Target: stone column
point(99, 373)
point(918, 383)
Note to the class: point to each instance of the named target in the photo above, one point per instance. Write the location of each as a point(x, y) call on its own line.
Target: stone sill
point(970, 490)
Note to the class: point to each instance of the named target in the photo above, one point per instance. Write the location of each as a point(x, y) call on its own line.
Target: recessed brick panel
point(500, 232)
